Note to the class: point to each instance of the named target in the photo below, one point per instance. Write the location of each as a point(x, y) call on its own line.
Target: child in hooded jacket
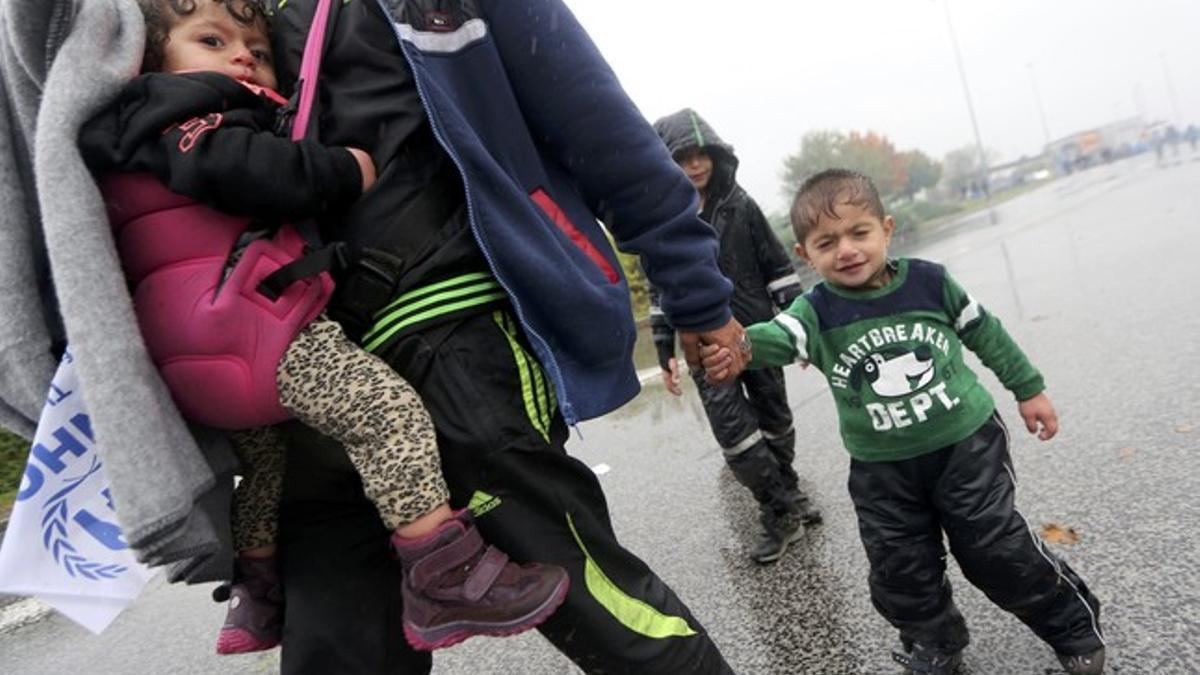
point(750, 418)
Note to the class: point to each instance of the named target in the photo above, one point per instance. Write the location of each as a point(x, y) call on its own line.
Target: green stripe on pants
point(634, 614)
point(537, 418)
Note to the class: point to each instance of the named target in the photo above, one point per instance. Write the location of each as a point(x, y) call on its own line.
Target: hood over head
point(686, 129)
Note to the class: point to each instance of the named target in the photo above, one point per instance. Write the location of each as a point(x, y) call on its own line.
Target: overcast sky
point(764, 73)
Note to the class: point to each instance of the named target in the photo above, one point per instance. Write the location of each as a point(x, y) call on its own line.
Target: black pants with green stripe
point(501, 441)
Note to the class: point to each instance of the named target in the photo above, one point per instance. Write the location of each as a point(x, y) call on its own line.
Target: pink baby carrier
point(216, 341)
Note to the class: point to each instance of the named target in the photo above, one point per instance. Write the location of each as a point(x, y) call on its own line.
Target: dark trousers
point(965, 491)
point(502, 452)
point(341, 583)
point(752, 423)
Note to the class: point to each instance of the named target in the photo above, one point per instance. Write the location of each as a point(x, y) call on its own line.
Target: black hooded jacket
point(751, 256)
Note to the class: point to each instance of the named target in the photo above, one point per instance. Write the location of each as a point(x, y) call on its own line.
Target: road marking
point(22, 613)
point(601, 469)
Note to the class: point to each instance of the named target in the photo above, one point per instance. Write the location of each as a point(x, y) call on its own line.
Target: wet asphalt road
point(1096, 275)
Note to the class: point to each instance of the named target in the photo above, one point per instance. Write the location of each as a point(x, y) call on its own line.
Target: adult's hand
point(671, 377)
point(730, 336)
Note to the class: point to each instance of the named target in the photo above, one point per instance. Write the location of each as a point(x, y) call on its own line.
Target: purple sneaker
point(456, 587)
point(254, 621)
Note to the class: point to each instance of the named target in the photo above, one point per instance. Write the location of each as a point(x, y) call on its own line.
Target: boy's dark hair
point(161, 16)
point(821, 194)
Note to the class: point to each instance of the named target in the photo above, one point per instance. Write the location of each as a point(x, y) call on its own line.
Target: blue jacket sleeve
point(577, 109)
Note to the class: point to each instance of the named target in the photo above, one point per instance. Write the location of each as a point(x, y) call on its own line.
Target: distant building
point(1019, 172)
point(1095, 146)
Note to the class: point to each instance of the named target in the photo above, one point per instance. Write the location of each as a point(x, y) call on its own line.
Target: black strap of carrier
point(371, 278)
point(328, 257)
point(431, 207)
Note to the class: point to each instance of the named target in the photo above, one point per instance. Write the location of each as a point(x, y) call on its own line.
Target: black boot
point(1083, 664)
point(779, 530)
point(802, 506)
point(919, 659)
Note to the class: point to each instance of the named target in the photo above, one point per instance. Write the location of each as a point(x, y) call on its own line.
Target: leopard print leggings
point(335, 387)
point(255, 512)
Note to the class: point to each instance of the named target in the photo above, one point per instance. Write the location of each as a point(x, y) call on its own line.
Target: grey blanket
point(61, 61)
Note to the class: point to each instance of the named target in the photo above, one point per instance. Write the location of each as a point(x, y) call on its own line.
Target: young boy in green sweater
point(929, 453)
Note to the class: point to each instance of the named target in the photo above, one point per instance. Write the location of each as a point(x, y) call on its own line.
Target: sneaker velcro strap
point(459, 552)
point(485, 573)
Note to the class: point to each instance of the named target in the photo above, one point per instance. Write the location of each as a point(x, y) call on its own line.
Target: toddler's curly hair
point(162, 15)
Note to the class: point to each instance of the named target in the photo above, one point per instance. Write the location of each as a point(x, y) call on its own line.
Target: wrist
point(366, 167)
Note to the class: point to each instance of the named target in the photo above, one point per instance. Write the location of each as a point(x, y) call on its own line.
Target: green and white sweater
point(894, 359)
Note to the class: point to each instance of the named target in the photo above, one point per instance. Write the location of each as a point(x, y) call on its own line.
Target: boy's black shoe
point(1083, 664)
point(777, 533)
point(922, 660)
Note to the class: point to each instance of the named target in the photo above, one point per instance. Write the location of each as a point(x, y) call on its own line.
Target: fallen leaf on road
point(1127, 454)
point(1183, 429)
point(1058, 534)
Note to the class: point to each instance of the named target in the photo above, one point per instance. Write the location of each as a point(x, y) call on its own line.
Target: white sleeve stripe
point(783, 282)
point(799, 336)
point(968, 314)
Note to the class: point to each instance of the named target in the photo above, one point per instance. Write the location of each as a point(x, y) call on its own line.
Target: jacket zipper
point(564, 403)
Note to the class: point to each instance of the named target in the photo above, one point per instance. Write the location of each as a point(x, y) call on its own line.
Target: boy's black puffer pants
point(966, 491)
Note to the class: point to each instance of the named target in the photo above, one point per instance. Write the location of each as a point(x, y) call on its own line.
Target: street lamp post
point(962, 74)
point(1037, 98)
point(1170, 90)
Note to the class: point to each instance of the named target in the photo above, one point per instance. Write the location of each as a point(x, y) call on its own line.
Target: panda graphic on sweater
point(894, 372)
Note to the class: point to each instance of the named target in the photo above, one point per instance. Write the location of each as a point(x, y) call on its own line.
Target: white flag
point(63, 544)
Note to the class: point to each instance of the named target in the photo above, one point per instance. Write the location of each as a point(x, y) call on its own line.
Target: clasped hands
point(722, 352)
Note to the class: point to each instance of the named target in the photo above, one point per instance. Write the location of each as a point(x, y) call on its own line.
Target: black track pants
point(966, 491)
point(501, 442)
